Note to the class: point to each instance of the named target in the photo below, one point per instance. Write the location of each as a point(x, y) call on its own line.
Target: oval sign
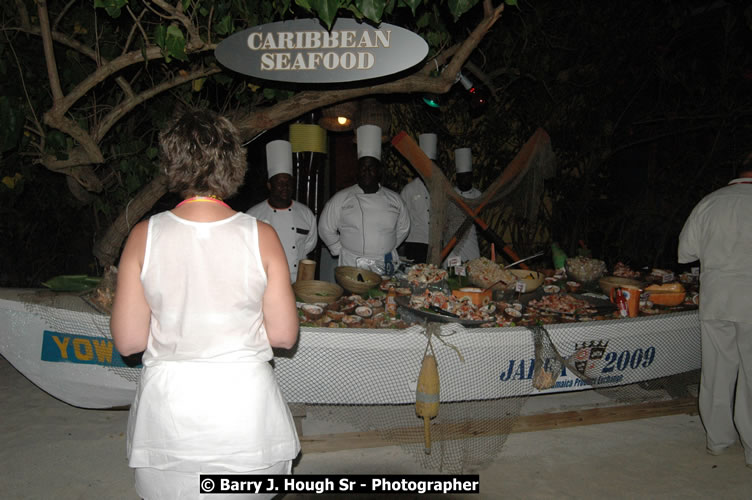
point(303, 51)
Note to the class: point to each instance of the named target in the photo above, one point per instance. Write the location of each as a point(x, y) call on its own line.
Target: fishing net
point(491, 379)
point(77, 314)
point(488, 376)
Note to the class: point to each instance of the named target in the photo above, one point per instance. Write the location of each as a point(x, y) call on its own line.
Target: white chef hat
point(369, 141)
point(463, 160)
point(278, 158)
point(428, 144)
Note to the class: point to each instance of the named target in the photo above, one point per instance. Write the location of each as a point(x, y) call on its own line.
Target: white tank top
point(204, 282)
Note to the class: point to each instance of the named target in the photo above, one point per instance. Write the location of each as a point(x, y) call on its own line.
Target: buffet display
point(485, 294)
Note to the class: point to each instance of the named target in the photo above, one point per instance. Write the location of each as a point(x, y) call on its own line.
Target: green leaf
point(186, 4)
point(72, 283)
point(160, 35)
point(132, 183)
point(372, 9)
point(510, 2)
point(424, 20)
point(222, 79)
point(459, 7)
point(175, 43)
point(357, 13)
point(12, 120)
point(326, 10)
point(112, 7)
point(224, 26)
point(304, 4)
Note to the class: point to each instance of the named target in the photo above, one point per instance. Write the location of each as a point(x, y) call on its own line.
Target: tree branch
point(491, 15)
point(62, 13)
point(26, 92)
point(71, 128)
point(194, 38)
point(127, 105)
point(49, 51)
point(136, 25)
point(108, 69)
point(107, 249)
point(76, 166)
point(74, 44)
point(420, 81)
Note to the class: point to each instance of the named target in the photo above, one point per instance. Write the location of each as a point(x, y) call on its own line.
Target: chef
point(467, 247)
point(418, 201)
point(294, 222)
point(365, 223)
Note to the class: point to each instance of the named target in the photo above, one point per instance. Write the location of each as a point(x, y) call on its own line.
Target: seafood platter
point(490, 296)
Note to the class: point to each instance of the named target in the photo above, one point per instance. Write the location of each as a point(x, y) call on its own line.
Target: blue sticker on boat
point(69, 348)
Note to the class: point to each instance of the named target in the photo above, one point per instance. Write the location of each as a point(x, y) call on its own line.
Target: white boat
point(63, 345)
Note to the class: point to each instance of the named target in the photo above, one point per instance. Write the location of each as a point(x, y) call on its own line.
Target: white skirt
point(155, 484)
point(191, 416)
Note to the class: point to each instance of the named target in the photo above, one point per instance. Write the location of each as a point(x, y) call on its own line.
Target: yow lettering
point(82, 349)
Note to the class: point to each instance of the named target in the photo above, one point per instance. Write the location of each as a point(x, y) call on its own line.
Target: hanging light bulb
point(339, 117)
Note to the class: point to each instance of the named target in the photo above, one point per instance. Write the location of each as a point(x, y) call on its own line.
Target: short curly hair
point(202, 154)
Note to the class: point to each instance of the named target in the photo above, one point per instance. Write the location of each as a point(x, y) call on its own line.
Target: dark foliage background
point(647, 104)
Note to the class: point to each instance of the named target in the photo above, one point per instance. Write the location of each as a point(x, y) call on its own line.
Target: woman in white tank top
point(204, 292)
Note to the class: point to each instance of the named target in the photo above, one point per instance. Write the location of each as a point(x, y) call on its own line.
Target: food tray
point(404, 302)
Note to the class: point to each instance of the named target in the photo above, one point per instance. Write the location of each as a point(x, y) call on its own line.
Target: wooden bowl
point(312, 291)
point(609, 282)
point(356, 280)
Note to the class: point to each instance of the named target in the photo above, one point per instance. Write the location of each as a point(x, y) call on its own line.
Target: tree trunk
point(107, 249)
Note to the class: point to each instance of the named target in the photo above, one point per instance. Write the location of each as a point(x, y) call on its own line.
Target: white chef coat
point(718, 232)
point(354, 224)
point(467, 247)
point(418, 202)
point(295, 226)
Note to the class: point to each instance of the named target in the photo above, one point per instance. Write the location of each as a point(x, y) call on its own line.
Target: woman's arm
point(280, 313)
point(131, 314)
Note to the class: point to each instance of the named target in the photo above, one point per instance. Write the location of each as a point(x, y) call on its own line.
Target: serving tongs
point(441, 311)
point(523, 260)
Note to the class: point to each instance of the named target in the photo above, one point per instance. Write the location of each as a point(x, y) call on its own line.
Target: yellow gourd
point(427, 396)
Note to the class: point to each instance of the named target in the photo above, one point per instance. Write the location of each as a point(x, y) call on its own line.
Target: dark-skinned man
point(365, 223)
point(294, 222)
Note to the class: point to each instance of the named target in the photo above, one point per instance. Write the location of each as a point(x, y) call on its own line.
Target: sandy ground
point(49, 449)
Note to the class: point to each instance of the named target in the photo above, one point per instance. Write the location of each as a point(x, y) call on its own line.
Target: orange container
point(667, 294)
point(632, 294)
point(478, 296)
